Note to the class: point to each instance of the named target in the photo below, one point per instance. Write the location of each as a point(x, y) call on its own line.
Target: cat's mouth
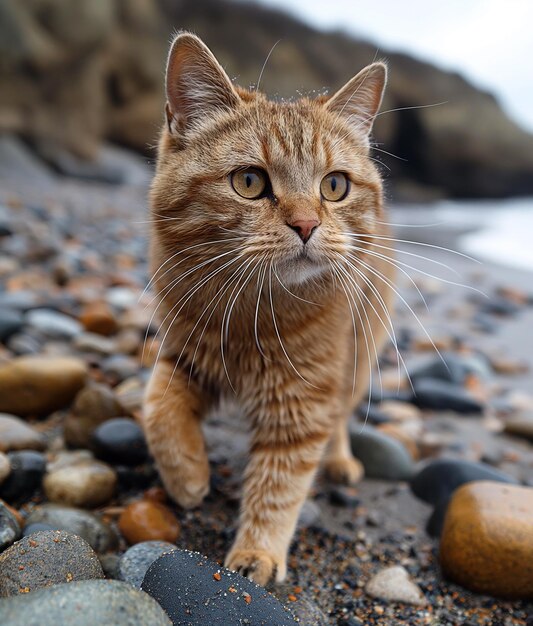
point(301, 267)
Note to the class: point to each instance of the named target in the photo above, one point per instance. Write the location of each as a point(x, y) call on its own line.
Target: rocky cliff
point(76, 74)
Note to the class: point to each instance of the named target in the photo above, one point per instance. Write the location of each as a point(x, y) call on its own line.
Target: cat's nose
point(304, 228)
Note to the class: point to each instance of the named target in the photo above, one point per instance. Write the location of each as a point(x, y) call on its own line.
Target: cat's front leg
point(277, 480)
point(173, 410)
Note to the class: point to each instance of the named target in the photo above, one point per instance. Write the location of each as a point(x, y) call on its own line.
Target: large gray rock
point(382, 456)
point(97, 534)
point(46, 558)
point(84, 603)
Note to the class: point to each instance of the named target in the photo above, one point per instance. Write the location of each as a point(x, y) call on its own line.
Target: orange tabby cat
point(263, 214)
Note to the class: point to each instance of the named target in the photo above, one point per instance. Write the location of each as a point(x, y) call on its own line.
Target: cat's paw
point(187, 484)
point(344, 470)
point(257, 565)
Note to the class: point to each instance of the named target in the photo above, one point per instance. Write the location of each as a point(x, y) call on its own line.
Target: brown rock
point(400, 411)
point(520, 427)
point(85, 484)
point(93, 405)
point(146, 520)
point(508, 367)
point(16, 435)
point(97, 317)
point(40, 384)
point(487, 540)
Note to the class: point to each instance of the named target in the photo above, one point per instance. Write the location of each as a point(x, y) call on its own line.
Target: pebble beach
point(439, 532)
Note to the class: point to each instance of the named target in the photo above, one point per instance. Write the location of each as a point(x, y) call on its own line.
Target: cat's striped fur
point(247, 309)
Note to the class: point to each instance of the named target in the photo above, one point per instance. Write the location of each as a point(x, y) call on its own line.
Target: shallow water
point(497, 231)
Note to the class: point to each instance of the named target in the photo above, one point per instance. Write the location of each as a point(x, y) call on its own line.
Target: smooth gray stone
point(98, 535)
point(84, 603)
point(53, 324)
point(46, 558)
point(135, 562)
point(382, 456)
point(9, 528)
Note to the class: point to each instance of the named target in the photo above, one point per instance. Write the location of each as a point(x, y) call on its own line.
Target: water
point(498, 231)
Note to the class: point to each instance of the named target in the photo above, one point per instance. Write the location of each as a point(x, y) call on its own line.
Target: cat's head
point(285, 184)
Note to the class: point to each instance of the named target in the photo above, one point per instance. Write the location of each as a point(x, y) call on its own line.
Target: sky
point(489, 41)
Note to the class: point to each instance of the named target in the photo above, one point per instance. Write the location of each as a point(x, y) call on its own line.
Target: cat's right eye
point(249, 183)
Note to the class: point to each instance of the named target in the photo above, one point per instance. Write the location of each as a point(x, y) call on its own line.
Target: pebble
point(486, 543)
point(94, 344)
point(508, 367)
point(11, 322)
point(344, 496)
point(17, 435)
point(93, 405)
point(5, 467)
point(121, 441)
point(27, 470)
point(186, 582)
point(521, 426)
point(87, 483)
point(53, 324)
point(453, 368)
point(400, 411)
point(394, 585)
point(300, 604)
point(119, 367)
point(38, 527)
point(46, 558)
point(382, 456)
point(438, 480)
point(98, 317)
point(9, 527)
point(396, 431)
point(440, 395)
point(84, 603)
point(145, 520)
point(39, 384)
point(77, 521)
point(134, 563)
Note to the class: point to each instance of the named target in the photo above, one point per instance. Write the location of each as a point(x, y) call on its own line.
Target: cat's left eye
point(334, 186)
point(250, 183)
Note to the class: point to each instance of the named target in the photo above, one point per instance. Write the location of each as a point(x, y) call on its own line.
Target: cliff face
point(74, 74)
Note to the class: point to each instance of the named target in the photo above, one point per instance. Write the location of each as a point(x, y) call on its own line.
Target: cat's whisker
point(224, 328)
point(414, 243)
point(291, 293)
point(407, 253)
point(276, 329)
point(382, 303)
point(399, 263)
point(188, 295)
point(349, 294)
point(164, 293)
point(220, 295)
point(374, 147)
point(262, 271)
point(393, 263)
point(335, 274)
point(198, 245)
point(391, 285)
point(358, 291)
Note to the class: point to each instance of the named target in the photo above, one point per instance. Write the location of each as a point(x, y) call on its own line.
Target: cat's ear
point(196, 84)
point(359, 100)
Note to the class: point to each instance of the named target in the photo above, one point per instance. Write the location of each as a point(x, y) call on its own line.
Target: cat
point(269, 288)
